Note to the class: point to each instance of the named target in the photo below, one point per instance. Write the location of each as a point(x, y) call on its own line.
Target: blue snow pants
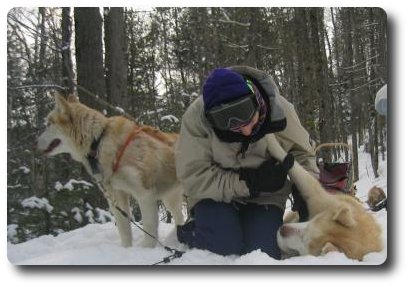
point(226, 228)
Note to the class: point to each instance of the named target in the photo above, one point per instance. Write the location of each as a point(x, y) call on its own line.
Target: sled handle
point(326, 145)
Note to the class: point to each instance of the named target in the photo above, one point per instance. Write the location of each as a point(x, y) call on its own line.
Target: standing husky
point(124, 158)
point(337, 222)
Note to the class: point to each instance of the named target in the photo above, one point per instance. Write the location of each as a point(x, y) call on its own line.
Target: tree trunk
point(89, 56)
point(67, 67)
point(373, 119)
point(321, 74)
point(352, 93)
point(42, 167)
point(305, 106)
point(116, 56)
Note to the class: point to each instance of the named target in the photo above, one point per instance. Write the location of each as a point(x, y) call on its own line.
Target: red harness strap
point(120, 152)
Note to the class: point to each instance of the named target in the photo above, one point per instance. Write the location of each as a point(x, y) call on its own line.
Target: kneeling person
point(236, 191)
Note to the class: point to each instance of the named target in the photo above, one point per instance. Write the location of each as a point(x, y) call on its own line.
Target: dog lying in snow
point(124, 158)
point(337, 222)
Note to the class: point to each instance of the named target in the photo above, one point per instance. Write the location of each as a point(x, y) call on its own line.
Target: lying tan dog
point(124, 158)
point(375, 196)
point(337, 222)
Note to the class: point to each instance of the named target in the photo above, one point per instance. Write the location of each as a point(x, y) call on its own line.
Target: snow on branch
point(267, 48)
point(228, 20)
point(35, 202)
point(234, 23)
point(170, 118)
point(70, 185)
point(52, 86)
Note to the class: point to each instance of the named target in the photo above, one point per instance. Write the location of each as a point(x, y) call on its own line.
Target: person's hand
point(270, 176)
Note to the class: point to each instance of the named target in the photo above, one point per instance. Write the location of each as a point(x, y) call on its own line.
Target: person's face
point(246, 130)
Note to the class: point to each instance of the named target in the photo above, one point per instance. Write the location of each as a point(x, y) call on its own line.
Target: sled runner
point(335, 162)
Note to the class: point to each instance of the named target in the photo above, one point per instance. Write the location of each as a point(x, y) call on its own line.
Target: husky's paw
point(126, 242)
point(126, 245)
point(148, 243)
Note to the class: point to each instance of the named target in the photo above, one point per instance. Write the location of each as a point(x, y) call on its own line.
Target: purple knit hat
point(222, 86)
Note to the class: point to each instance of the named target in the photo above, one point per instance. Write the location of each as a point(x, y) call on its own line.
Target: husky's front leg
point(123, 222)
point(173, 202)
point(310, 188)
point(149, 213)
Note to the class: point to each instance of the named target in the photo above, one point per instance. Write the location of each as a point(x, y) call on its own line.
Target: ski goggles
point(233, 115)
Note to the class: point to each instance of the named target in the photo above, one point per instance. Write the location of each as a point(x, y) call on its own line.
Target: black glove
point(270, 176)
point(299, 205)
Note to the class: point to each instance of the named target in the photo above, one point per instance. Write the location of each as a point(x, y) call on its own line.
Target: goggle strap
point(250, 85)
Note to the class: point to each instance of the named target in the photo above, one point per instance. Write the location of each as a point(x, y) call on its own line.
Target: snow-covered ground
point(98, 244)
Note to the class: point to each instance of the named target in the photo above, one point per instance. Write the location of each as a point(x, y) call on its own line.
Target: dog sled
point(335, 163)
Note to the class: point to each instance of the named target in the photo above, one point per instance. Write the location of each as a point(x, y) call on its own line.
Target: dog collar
point(92, 155)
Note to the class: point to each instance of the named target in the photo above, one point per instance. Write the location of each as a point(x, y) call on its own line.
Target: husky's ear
point(61, 103)
point(344, 216)
point(72, 98)
point(328, 247)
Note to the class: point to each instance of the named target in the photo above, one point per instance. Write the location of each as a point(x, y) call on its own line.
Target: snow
point(70, 185)
point(103, 216)
point(154, 112)
point(120, 109)
point(12, 232)
point(170, 118)
point(77, 214)
point(24, 169)
point(98, 244)
point(35, 202)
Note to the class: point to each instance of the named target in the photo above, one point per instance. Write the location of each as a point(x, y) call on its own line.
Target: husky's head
point(346, 229)
point(67, 130)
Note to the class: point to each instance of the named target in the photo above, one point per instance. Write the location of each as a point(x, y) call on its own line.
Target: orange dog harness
point(120, 152)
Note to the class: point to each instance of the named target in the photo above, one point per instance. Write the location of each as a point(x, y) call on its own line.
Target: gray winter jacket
point(208, 167)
